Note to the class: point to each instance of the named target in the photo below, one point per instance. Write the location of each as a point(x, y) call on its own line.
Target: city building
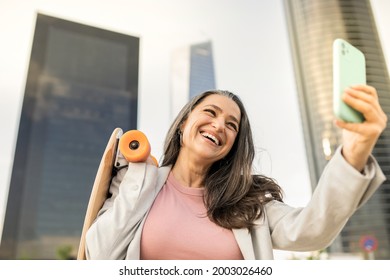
point(192, 73)
point(313, 26)
point(82, 83)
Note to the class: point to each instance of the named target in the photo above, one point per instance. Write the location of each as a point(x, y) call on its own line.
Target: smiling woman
point(204, 202)
point(199, 162)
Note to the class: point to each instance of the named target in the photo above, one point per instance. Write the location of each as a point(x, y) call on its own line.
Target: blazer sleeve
point(132, 192)
point(340, 191)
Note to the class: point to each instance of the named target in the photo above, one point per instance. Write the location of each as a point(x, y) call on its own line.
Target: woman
point(204, 202)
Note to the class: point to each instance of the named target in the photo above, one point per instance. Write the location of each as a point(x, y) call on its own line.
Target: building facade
point(202, 74)
point(192, 72)
point(313, 26)
point(82, 83)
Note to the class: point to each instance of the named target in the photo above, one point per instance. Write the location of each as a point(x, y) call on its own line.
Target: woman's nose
point(219, 124)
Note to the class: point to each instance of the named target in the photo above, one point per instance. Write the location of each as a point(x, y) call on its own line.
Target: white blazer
point(341, 190)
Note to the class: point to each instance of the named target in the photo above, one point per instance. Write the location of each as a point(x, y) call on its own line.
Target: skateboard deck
point(135, 148)
point(100, 187)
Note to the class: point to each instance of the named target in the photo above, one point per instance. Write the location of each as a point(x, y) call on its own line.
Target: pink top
point(177, 228)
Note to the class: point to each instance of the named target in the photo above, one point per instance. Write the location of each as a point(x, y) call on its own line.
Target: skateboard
point(135, 147)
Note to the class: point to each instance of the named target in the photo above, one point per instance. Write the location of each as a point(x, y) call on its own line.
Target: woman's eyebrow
point(220, 110)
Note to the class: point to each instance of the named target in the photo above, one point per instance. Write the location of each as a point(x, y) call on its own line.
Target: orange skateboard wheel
point(134, 146)
point(154, 160)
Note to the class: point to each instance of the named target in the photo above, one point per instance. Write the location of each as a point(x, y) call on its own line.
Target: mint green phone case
point(349, 68)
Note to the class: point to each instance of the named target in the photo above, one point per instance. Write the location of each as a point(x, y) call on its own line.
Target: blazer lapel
point(244, 241)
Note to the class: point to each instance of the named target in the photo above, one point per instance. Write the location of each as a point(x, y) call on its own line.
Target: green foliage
point(64, 252)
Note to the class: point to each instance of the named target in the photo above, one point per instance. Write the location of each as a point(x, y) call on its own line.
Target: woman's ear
point(181, 126)
point(180, 132)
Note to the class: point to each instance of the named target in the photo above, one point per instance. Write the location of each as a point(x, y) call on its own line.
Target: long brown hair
point(234, 197)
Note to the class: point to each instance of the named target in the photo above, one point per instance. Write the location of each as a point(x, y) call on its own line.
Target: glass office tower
point(82, 83)
point(192, 73)
point(313, 26)
point(202, 75)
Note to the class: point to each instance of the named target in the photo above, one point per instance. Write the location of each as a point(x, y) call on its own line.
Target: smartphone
point(349, 68)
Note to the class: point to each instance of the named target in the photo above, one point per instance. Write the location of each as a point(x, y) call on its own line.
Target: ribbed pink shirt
point(177, 228)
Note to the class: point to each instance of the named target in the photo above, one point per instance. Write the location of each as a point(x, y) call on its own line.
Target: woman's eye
point(212, 112)
point(233, 126)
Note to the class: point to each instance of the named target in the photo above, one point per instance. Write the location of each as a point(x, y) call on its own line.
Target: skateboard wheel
point(154, 160)
point(134, 146)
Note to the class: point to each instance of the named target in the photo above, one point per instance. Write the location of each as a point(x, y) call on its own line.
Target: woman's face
point(211, 128)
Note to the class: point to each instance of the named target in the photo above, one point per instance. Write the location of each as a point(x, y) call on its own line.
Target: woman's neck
point(189, 173)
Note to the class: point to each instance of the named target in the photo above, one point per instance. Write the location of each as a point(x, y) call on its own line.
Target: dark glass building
point(313, 26)
point(82, 83)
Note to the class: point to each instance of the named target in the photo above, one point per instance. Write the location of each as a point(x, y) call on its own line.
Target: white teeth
point(212, 137)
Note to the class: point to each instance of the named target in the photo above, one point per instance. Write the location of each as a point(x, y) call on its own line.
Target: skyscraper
point(82, 83)
point(192, 73)
point(202, 76)
point(313, 26)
